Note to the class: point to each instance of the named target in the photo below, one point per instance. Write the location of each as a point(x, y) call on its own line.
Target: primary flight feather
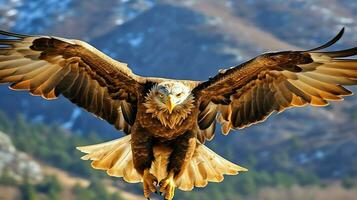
point(167, 121)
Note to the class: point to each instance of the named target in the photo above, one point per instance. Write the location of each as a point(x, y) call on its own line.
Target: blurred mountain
point(191, 40)
point(303, 23)
point(68, 17)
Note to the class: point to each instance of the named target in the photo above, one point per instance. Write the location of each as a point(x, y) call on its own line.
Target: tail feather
point(116, 158)
point(206, 166)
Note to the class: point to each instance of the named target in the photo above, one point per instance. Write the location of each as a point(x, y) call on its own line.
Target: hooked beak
point(170, 103)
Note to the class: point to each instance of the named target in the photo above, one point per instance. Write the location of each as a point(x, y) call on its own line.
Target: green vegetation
point(6, 179)
point(56, 147)
point(51, 143)
point(51, 189)
point(95, 191)
point(247, 184)
point(349, 183)
point(28, 191)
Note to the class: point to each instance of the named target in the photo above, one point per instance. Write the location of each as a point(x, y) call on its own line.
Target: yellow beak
point(170, 104)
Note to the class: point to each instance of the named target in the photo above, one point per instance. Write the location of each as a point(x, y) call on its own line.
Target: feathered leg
point(184, 147)
point(142, 148)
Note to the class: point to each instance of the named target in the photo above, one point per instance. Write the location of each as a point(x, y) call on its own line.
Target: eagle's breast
point(159, 129)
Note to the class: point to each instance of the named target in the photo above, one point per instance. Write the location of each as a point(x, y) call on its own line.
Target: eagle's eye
point(161, 95)
point(179, 95)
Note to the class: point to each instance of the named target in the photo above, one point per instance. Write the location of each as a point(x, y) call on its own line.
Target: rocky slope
point(17, 165)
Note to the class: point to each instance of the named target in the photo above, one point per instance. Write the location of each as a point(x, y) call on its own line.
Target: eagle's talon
point(149, 181)
point(167, 185)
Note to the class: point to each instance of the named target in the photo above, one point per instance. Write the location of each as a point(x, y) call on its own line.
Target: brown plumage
point(168, 121)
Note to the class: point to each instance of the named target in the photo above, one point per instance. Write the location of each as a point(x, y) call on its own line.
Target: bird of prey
point(167, 121)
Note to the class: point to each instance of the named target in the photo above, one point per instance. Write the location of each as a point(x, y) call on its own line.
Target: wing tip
point(330, 42)
point(11, 34)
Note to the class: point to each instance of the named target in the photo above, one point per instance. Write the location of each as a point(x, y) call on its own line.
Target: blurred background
point(304, 153)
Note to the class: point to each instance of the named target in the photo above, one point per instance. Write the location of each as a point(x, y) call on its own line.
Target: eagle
point(167, 121)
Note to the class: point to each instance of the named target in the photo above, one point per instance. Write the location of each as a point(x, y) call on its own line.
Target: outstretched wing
point(49, 66)
point(249, 93)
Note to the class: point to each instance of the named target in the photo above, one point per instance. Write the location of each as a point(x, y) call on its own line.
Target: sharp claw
point(148, 183)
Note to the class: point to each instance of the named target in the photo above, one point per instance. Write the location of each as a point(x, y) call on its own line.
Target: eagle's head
point(170, 95)
point(170, 101)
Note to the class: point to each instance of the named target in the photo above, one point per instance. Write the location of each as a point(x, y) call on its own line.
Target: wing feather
point(49, 66)
point(276, 81)
point(69, 80)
